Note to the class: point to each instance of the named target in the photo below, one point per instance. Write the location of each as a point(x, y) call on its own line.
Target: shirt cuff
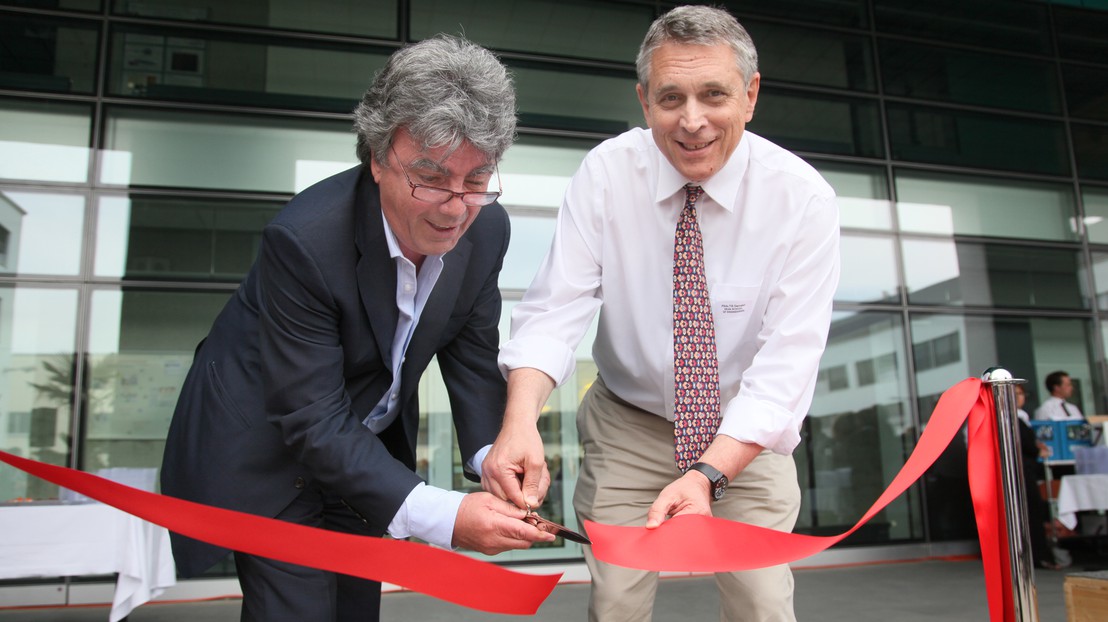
point(474, 465)
point(428, 514)
point(763, 423)
point(550, 356)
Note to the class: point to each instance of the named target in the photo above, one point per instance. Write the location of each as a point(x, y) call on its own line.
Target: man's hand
point(515, 468)
point(688, 494)
point(489, 525)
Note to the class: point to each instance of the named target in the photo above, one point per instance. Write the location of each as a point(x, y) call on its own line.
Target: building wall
point(144, 143)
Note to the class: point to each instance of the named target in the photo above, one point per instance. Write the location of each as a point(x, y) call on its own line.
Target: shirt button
point(408, 287)
point(299, 483)
point(395, 395)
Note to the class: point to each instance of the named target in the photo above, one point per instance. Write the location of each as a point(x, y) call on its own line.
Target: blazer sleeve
point(475, 386)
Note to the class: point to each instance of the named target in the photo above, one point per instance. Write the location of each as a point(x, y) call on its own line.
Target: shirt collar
point(394, 245)
point(722, 187)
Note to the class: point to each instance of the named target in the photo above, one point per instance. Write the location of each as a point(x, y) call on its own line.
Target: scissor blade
point(556, 529)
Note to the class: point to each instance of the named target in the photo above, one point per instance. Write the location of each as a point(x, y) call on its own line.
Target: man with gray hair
point(712, 256)
point(301, 403)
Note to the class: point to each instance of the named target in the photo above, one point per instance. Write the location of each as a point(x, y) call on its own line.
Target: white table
point(66, 540)
point(1079, 493)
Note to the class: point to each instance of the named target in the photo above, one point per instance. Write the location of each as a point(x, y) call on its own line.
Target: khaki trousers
point(628, 460)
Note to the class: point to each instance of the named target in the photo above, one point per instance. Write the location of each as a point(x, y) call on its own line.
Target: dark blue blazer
point(300, 355)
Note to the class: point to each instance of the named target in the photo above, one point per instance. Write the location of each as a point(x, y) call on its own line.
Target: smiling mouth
point(443, 228)
point(694, 146)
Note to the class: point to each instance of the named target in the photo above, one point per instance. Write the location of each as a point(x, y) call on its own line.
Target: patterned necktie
point(695, 367)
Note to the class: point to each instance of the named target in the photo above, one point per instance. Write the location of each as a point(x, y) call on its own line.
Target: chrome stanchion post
point(1015, 501)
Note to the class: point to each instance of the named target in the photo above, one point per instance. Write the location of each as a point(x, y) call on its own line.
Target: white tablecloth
point(1079, 493)
point(87, 539)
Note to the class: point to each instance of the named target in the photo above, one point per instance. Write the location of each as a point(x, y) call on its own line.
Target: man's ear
point(641, 92)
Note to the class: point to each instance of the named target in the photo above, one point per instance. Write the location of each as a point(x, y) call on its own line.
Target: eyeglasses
point(432, 194)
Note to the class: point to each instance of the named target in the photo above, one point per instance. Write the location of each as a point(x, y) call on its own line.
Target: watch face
point(719, 488)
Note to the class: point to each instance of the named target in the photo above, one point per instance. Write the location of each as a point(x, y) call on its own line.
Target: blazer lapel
point(376, 269)
point(436, 313)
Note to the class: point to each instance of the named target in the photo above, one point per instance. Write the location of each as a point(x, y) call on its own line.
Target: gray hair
point(445, 91)
point(698, 25)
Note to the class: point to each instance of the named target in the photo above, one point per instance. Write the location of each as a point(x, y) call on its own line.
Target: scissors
point(554, 528)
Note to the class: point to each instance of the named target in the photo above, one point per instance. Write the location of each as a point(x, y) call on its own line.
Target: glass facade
point(143, 145)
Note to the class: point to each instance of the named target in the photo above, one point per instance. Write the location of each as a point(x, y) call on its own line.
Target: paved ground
point(952, 591)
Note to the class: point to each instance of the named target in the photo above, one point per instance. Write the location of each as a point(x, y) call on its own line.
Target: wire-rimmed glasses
point(433, 194)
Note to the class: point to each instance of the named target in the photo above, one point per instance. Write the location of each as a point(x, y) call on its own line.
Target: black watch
point(718, 480)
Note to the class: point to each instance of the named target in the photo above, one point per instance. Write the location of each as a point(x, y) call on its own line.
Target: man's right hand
point(515, 468)
point(490, 525)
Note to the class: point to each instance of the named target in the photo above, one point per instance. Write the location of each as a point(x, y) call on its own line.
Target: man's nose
point(692, 117)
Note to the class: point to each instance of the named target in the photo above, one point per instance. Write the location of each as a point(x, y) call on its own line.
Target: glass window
point(965, 205)
point(973, 139)
point(238, 69)
point(351, 17)
point(869, 269)
point(535, 172)
point(1096, 214)
point(1029, 348)
point(965, 77)
point(197, 150)
point(43, 232)
point(859, 433)
point(37, 341)
point(167, 238)
point(592, 102)
point(1016, 26)
point(141, 348)
point(1090, 146)
point(1085, 91)
point(44, 141)
point(953, 272)
point(1100, 277)
point(577, 28)
point(819, 124)
point(850, 13)
point(531, 237)
point(558, 158)
point(69, 5)
point(1081, 33)
point(863, 194)
point(42, 54)
point(811, 56)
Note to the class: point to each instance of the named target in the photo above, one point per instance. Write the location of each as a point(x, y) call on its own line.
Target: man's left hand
point(688, 494)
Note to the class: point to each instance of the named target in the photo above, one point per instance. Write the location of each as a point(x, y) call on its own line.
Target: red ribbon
point(693, 543)
point(684, 543)
point(443, 574)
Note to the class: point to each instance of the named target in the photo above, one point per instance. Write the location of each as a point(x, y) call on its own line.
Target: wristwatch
point(718, 480)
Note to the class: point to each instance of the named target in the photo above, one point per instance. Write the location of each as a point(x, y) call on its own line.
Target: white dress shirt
point(428, 512)
point(771, 240)
point(1058, 409)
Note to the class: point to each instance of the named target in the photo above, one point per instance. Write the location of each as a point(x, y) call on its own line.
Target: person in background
point(1032, 450)
point(1056, 407)
point(301, 403)
point(712, 256)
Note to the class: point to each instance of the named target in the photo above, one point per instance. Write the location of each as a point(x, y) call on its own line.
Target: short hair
point(445, 91)
point(1054, 379)
point(698, 25)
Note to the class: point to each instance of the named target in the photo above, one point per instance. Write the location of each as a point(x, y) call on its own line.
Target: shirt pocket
point(733, 303)
point(735, 314)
